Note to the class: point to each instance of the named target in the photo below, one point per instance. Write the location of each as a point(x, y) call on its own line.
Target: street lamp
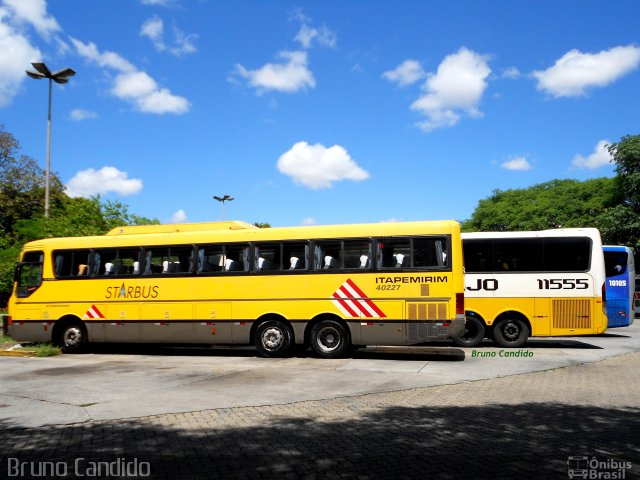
point(61, 76)
point(226, 198)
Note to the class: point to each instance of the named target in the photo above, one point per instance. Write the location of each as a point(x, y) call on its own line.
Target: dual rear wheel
point(328, 339)
point(508, 332)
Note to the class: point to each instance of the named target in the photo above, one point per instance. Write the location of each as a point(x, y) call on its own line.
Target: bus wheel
point(330, 339)
point(272, 339)
point(73, 337)
point(511, 333)
point(473, 335)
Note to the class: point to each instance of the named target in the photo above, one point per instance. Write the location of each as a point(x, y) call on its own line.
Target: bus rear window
point(615, 263)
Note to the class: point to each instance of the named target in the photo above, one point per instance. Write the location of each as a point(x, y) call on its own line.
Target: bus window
point(169, 260)
point(570, 254)
point(29, 274)
point(615, 263)
point(429, 252)
point(517, 255)
point(223, 258)
point(394, 253)
point(123, 261)
point(357, 254)
point(295, 255)
point(268, 257)
point(71, 263)
point(327, 255)
point(478, 256)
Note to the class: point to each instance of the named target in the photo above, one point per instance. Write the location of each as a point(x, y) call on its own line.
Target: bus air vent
point(571, 314)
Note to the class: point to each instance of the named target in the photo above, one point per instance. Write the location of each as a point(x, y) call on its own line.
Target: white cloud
point(576, 72)
point(317, 167)
point(600, 157)
point(517, 163)
point(15, 53)
point(510, 73)
point(179, 217)
point(80, 114)
point(35, 13)
point(87, 183)
point(105, 59)
point(455, 89)
point(322, 36)
point(408, 72)
point(309, 221)
point(153, 29)
point(132, 84)
point(288, 77)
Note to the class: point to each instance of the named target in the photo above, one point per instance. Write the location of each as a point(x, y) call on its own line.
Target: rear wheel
point(330, 339)
point(273, 339)
point(511, 333)
point(474, 333)
point(73, 337)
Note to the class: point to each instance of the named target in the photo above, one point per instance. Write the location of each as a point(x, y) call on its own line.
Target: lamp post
point(226, 198)
point(61, 76)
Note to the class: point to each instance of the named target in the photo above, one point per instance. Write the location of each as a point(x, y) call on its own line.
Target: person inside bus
point(501, 265)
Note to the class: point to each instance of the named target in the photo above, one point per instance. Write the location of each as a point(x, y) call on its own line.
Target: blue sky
point(320, 112)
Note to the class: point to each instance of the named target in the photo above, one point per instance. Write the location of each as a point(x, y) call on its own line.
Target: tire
point(330, 339)
point(511, 333)
point(273, 339)
point(73, 337)
point(474, 333)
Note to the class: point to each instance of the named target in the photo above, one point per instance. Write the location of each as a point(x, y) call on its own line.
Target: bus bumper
point(457, 327)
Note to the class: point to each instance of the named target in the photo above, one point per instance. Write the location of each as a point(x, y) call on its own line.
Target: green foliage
point(262, 225)
point(554, 204)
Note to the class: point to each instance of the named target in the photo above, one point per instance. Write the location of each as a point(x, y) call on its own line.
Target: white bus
point(544, 283)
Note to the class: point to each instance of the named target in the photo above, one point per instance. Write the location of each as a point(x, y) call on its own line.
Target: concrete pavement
point(439, 413)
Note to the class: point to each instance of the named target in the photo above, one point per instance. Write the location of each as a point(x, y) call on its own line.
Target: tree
point(22, 185)
point(620, 225)
point(553, 204)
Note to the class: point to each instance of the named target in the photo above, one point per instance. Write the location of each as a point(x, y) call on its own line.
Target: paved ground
point(502, 424)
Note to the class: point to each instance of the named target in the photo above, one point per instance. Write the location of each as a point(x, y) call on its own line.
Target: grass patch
point(42, 349)
point(4, 340)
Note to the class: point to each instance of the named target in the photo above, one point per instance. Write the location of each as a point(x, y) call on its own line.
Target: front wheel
point(473, 335)
point(330, 339)
point(273, 339)
point(73, 337)
point(511, 333)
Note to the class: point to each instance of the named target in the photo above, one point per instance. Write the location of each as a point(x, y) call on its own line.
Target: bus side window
point(328, 255)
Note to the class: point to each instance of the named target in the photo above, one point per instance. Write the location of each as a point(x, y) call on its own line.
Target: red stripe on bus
point(344, 305)
point(364, 297)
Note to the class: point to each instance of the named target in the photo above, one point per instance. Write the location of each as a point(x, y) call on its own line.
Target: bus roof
point(556, 232)
point(180, 227)
point(239, 232)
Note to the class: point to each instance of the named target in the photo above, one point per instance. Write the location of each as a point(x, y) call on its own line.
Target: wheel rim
point(511, 331)
point(72, 337)
point(328, 339)
point(272, 338)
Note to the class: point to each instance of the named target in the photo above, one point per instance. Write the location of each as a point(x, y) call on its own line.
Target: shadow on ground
point(492, 442)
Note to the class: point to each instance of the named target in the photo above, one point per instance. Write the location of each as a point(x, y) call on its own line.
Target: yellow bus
point(544, 283)
point(327, 287)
